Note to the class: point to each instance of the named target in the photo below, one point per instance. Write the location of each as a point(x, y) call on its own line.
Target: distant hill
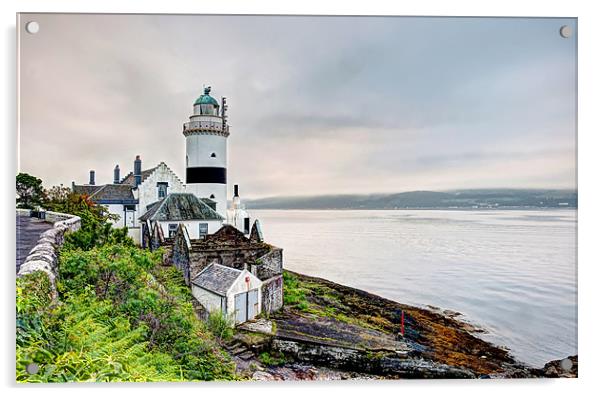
point(461, 199)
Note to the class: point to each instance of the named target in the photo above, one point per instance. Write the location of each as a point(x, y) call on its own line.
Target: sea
point(512, 273)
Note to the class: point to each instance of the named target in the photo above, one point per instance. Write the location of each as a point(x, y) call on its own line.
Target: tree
point(57, 198)
point(29, 191)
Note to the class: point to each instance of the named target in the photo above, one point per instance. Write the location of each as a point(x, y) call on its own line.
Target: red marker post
point(402, 324)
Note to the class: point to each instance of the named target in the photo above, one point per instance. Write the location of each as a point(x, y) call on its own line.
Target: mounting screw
point(32, 368)
point(32, 27)
point(566, 31)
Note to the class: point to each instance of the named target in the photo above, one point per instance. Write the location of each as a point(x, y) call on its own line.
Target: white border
point(590, 192)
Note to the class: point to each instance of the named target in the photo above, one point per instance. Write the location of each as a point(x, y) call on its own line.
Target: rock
point(262, 326)
point(420, 368)
point(562, 368)
point(262, 376)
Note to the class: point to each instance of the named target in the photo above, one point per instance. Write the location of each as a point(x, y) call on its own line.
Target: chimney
point(116, 174)
point(92, 181)
point(138, 170)
point(236, 199)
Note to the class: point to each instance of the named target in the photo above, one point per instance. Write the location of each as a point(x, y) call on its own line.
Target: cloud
point(318, 105)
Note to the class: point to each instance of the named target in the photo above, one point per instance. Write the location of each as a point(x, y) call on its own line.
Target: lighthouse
point(206, 135)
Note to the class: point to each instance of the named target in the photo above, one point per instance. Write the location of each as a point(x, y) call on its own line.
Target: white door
point(252, 304)
point(129, 218)
point(240, 308)
point(246, 306)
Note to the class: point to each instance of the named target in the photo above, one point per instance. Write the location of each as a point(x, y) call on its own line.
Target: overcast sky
point(317, 105)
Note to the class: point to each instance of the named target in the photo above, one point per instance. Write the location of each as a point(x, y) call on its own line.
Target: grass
point(294, 294)
point(272, 359)
point(320, 300)
point(220, 325)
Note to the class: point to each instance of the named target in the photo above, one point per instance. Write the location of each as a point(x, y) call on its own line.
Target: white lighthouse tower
point(207, 150)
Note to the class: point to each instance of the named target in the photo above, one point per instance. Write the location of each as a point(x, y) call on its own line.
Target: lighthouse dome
point(206, 98)
point(206, 104)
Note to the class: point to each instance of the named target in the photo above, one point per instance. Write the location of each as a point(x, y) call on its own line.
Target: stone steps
point(237, 349)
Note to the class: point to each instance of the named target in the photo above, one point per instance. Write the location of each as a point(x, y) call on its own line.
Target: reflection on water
point(512, 272)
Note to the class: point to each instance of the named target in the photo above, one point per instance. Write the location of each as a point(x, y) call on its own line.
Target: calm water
point(512, 272)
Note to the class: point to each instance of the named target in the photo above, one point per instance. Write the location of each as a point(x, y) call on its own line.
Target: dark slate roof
point(85, 189)
point(129, 178)
point(209, 202)
point(113, 192)
point(217, 278)
point(180, 206)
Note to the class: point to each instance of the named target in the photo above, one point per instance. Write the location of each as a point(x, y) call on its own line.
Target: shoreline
point(337, 332)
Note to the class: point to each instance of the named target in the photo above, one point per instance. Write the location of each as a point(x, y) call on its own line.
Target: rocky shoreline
point(328, 331)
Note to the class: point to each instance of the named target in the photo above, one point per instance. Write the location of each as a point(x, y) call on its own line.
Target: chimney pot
point(138, 170)
point(116, 174)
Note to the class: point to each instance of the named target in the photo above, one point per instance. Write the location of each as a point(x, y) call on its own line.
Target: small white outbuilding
point(233, 292)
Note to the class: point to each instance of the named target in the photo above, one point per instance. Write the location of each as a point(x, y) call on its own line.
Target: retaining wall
point(44, 255)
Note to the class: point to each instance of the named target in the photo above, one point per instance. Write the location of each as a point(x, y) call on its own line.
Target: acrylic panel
point(222, 197)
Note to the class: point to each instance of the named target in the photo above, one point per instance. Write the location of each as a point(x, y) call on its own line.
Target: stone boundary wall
point(44, 255)
point(270, 264)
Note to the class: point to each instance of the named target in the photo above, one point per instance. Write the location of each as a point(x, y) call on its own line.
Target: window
point(213, 155)
point(212, 196)
point(172, 230)
point(161, 190)
point(203, 229)
point(129, 208)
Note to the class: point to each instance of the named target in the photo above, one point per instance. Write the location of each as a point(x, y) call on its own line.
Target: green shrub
point(272, 359)
point(222, 326)
point(116, 322)
point(83, 340)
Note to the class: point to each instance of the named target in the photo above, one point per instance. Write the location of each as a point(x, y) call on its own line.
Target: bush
point(116, 322)
point(272, 359)
point(83, 340)
point(220, 325)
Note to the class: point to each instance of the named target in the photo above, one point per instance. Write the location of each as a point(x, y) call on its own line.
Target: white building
point(235, 293)
point(206, 136)
point(186, 209)
point(129, 198)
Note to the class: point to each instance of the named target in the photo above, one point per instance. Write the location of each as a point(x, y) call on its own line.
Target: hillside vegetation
point(120, 316)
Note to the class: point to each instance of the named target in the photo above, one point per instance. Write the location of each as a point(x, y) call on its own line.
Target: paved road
point(28, 233)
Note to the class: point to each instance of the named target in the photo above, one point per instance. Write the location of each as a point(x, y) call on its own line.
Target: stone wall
point(271, 292)
point(44, 255)
point(239, 258)
point(270, 264)
point(233, 249)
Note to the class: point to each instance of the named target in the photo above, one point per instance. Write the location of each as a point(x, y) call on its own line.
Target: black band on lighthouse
point(206, 175)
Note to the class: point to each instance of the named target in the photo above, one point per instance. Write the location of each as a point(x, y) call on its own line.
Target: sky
point(317, 105)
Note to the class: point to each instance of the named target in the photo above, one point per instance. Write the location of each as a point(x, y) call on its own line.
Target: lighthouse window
point(212, 155)
point(212, 196)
